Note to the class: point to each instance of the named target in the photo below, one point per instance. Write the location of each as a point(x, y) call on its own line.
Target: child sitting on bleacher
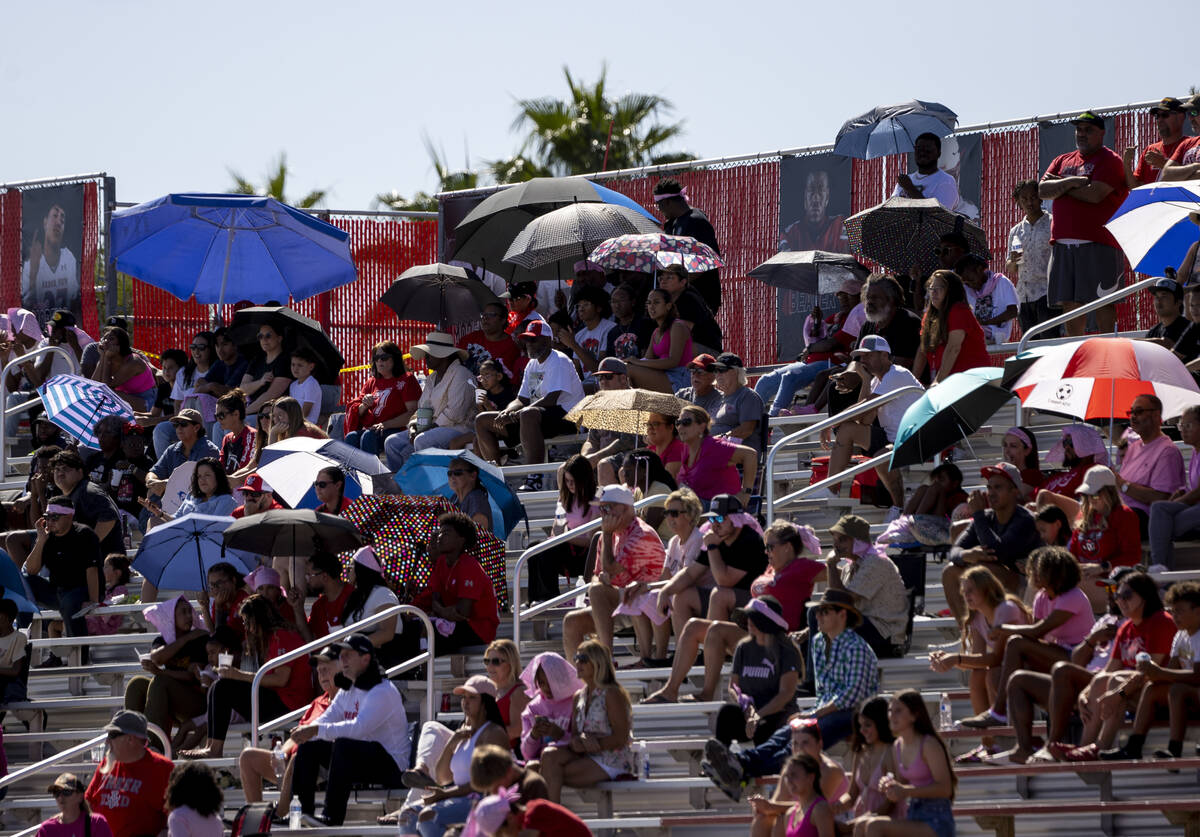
point(14, 672)
point(192, 732)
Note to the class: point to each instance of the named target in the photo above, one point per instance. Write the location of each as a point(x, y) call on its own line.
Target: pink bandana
point(761, 607)
point(491, 812)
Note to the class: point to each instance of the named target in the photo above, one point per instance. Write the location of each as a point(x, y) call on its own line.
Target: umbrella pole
point(225, 272)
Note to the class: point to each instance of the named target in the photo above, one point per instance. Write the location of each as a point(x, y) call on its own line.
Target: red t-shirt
point(297, 691)
point(327, 615)
point(391, 399)
point(1145, 172)
point(240, 511)
point(792, 587)
point(1066, 483)
point(553, 820)
point(1187, 152)
point(1073, 218)
point(131, 795)
point(480, 349)
point(1119, 543)
point(973, 352)
point(1154, 636)
point(314, 711)
point(465, 580)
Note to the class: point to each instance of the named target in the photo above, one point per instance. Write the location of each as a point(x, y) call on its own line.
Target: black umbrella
point(289, 532)
point(297, 331)
point(902, 232)
point(438, 293)
point(809, 271)
point(569, 233)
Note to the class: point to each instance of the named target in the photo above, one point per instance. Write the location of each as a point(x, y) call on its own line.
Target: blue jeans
point(370, 441)
point(767, 758)
point(780, 386)
point(1170, 521)
point(449, 811)
point(398, 448)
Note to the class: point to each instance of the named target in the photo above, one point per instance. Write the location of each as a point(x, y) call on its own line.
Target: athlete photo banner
point(51, 246)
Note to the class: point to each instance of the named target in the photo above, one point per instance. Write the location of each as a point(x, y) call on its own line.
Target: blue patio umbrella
point(424, 474)
point(219, 248)
point(947, 413)
point(13, 586)
point(892, 129)
point(178, 555)
point(75, 404)
point(1154, 225)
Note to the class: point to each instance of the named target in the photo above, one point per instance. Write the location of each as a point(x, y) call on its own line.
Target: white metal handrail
point(319, 643)
point(831, 481)
point(569, 535)
point(58, 758)
point(832, 421)
point(6, 411)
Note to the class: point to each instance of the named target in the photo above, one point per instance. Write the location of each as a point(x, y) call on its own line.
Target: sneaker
point(724, 770)
point(983, 720)
point(52, 661)
point(1115, 754)
point(533, 482)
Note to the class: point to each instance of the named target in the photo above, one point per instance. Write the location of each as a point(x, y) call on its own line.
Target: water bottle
point(278, 760)
point(1142, 657)
point(945, 712)
point(294, 823)
point(644, 759)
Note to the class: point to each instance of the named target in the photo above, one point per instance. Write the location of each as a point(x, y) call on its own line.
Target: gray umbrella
point(902, 232)
point(809, 271)
point(571, 232)
point(438, 293)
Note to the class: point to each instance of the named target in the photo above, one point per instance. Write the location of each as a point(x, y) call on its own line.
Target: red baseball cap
point(537, 328)
point(256, 485)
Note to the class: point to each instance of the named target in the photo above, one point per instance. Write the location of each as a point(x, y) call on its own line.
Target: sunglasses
point(220, 415)
point(685, 422)
point(323, 483)
point(60, 793)
point(266, 335)
point(253, 495)
point(265, 417)
point(455, 472)
point(1124, 595)
point(182, 423)
point(717, 518)
point(825, 609)
point(199, 347)
point(52, 516)
point(582, 658)
point(673, 512)
point(607, 508)
point(382, 357)
point(493, 661)
point(1137, 411)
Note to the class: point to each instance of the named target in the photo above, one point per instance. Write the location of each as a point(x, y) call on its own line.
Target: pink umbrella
point(648, 252)
point(1098, 378)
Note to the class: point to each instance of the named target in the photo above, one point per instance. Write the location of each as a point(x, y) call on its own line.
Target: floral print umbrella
point(648, 252)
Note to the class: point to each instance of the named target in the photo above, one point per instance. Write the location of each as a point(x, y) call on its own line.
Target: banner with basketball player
point(51, 249)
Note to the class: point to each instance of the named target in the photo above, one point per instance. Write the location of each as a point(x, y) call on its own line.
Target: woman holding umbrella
point(269, 375)
point(664, 366)
point(470, 497)
point(951, 338)
point(387, 401)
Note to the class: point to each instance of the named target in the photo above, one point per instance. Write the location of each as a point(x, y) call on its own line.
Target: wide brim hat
point(844, 600)
point(437, 344)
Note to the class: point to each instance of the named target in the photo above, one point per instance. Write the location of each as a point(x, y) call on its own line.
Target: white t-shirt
point(937, 185)
point(307, 390)
point(1186, 648)
point(890, 414)
point(60, 284)
point(555, 374)
point(855, 320)
point(12, 648)
point(380, 598)
point(989, 301)
point(59, 365)
point(595, 339)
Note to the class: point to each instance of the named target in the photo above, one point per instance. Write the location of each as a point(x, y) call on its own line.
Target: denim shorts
point(935, 813)
point(679, 377)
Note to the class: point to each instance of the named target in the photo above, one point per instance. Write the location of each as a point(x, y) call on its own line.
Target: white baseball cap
point(872, 343)
point(1096, 478)
point(616, 494)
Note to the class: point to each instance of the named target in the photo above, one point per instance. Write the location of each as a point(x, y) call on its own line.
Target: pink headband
point(54, 508)
point(1020, 434)
point(666, 196)
point(761, 607)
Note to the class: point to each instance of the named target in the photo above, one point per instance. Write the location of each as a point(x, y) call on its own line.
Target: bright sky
point(167, 97)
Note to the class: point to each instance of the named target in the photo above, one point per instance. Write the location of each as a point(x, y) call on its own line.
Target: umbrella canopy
point(1015, 366)
point(220, 248)
point(892, 129)
point(483, 237)
point(810, 271)
point(178, 555)
point(293, 532)
point(401, 526)
point(348, 457)
point(75, 404)
point(297, 330)
point(438, 293)
point(292, 478)
point(571, 232)
point(902, 232)
point(13, 588)
point(1098, 378)
point(1154, 225)
point(947, 413)
point(424, 473)
point(624, 410)
point(648, 252)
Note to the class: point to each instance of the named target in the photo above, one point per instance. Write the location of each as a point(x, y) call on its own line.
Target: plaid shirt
point(846, 672)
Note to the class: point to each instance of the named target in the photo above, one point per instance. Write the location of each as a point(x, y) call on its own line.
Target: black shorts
point(554, 422)
point(879, 439)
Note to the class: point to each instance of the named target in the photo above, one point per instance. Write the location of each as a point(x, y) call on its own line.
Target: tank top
point(662, 348)
point(139, 383)
point(460, 762)
point(504, 704)
point(918, 773)
point(869, 798)
point(802, 827)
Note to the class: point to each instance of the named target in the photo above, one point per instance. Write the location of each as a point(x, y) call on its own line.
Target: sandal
point(655, 699)
point(976, 756)
point(417, 780)
point(1089, 752)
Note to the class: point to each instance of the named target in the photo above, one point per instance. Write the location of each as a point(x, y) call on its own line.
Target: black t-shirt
point(1187, 346)
point(500, 400)
point(758, 675)
point(281, 367)
point(93, 506)
point(193, 651)
point(115, 476)
point(1172, 332)
point(695, 223)
point(903, 333)
point(694, 309)
point(69, 556)
point(745, 553)
point(162, 399)
point(629, 341)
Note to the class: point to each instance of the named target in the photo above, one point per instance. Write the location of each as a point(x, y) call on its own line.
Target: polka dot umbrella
point(902, 232)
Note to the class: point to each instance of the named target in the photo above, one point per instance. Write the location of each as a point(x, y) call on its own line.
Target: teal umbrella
point(946, 413)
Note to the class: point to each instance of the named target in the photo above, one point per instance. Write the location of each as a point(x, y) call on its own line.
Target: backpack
point(253, 820)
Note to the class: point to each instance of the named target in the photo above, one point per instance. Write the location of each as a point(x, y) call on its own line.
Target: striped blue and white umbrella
point(75, 404)
point(1154, 225)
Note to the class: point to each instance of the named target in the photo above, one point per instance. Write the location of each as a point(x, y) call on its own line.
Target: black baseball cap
point(355, 642)
point(1089, 118)
point(726, 361)
point(1169, 104)
point(520, 289)
point(1165, 284)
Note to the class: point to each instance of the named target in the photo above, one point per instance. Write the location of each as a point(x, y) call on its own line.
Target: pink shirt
point(185, 822)
point(1007, 613)
point(1074, 601)
point(711, 474)
point(1193, 474)
point(53, 828)
point(1158, 465)
point(675, 451)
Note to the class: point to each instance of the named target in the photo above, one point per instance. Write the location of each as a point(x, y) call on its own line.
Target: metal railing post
point(6, 411)
point(317, 644)
point(832, 421)
point(569, 535)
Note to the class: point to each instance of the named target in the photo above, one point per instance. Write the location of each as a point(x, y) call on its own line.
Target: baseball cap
point(1096, 478)
point(329, 653)
point(872, 343)
point(354, 642)
point(611, 366)
point(536, 328)
point(1169, 104)
point(477, 684)
point(262, 576)
point(724, 505)
point(1007, 470)
point(726, 361)
point(67, 320)
point(255, 484)
point(520, 289)
point(188, 415)
point(67, 782)
point(1166, 284)
point(127, 722)
point(704, 361)
point(616, 494)
point(1088, 118)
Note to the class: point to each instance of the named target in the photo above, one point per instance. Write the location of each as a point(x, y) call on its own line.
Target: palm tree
point(590, 131)
point(448, 181)
point(274, 186)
